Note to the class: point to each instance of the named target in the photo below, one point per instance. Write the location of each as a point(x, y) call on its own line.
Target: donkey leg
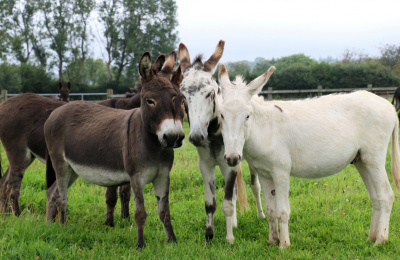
point(51, 203)
point(125, 196)
point(256, 189)
point(65, 176)
point(282, 181)
point(373, 197)
point(111, 201)
point(270, 209)
point(3, 194)
point(385, 197)
point(17, 169)
point(208, 173)
point(140, 212)
point(229, 204)
point(161, 190)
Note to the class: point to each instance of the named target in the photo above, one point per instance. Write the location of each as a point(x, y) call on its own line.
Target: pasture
point(330, 219)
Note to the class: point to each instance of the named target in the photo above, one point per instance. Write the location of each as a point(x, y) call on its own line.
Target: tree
point(108, 16)
point(390, 56)
point(293, 59)
point(132, 27)
point(79, 36)
point(57, 21)
point(238, 68)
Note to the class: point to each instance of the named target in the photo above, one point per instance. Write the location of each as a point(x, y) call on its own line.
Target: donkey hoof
point(209, 234)
point(261, 215)
point(380, 241)
point(230, 239)
point(173, 239)
point(273, 242)
point(109, 223)
point(285, 245)
point(140, 245)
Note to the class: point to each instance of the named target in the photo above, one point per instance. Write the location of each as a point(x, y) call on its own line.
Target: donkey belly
point(100, 176)
point(323, 163)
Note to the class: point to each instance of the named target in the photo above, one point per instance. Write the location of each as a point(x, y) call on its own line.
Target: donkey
point(204, 98)
point(310, 138)
point(21, 131)
point(396, 99)
point(111, 147)
point(64, 92)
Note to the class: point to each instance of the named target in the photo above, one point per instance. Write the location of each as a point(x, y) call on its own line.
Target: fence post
point(369, 87)
point(110, 93)
point(319, 91)
point(3, 96)
point(269, 93)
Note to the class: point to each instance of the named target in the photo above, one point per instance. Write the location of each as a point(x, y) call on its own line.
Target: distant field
point(329, 219)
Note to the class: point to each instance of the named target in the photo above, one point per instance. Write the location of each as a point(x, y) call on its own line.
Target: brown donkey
point(21, 131)
point(111, 147)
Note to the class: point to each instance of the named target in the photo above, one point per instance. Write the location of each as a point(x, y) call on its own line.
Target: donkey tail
point(395, 156)
point(50, 173)
point(241, 189)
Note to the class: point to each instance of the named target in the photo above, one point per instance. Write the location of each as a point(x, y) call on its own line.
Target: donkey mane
point(239, 80)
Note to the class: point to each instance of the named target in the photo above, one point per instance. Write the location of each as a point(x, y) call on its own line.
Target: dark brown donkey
point(21, 132)
point(64, 92)
point(111, 147)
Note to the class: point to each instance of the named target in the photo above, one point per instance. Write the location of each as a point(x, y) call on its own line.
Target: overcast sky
point(273, 29)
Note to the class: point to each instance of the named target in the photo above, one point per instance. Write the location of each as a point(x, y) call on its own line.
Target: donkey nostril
point(165, 137)
point(202, 137)
point(224, 156)
point(240, 158)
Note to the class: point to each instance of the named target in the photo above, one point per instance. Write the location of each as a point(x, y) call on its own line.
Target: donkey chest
point(215, 146)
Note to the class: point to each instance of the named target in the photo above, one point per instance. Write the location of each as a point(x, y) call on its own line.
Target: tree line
point(46, 41)
point(352, 70)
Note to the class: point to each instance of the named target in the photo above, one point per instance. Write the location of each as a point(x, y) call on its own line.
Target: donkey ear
point(169, 63)
point(60, 85)
point(69, 86)
point(211, 63)
point(177, 77)
point(257, 84)
point(223, 76)
point(145, 67)
point(158, 63)
point(184, 57)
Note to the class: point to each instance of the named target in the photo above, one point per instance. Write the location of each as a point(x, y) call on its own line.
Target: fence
point(106, 95)
point(386, 92)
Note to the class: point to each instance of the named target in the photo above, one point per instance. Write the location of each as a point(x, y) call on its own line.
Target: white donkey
point(310, 138)
point(204, 97)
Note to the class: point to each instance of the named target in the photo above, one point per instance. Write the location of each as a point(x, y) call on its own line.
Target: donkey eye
point(222, 116)
point(150, 102)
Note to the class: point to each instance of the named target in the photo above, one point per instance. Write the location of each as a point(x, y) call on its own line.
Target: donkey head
point(200, 90)
point(236, 111)
point(64, 92)
point(161, 102)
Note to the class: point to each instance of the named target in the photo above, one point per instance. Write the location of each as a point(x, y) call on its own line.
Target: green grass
point(329, 219)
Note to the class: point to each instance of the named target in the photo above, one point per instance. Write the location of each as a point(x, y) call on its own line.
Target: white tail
point(395, 156)
point(241, 190)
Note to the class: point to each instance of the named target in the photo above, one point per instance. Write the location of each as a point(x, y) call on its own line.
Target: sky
point(273, 29)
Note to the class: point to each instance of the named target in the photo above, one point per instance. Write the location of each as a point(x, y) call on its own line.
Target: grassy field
point(329, 219)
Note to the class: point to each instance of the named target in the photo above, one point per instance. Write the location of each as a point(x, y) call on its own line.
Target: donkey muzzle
point(232, 160)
